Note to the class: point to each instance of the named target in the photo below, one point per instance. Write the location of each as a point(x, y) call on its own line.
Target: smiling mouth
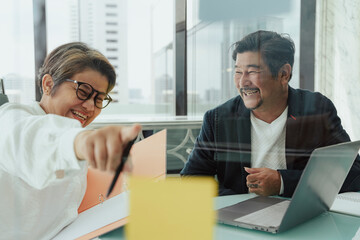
point(249, 91)
point(81, 117)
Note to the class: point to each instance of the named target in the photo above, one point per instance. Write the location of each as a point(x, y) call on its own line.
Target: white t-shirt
point(41, 181)
point(268, 143)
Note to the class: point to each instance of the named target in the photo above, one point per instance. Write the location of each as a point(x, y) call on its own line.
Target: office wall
point(337, 59)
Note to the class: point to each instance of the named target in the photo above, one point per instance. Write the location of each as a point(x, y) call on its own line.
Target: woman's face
point(64, 101)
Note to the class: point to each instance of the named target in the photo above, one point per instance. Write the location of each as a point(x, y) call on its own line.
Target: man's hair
point(275, 49)
point(69, 59)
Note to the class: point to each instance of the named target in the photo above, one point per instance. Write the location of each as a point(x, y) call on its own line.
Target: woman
point(43, 145)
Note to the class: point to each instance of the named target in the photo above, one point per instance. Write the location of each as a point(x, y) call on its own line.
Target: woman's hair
point(71, 58)
point(275, 49)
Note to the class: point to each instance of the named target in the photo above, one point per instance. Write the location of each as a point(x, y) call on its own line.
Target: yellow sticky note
point(175, 208)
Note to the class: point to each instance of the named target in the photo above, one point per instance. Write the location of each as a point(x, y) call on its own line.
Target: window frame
point(307, 48)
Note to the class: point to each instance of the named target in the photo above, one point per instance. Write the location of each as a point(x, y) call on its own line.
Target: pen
point(124, 158)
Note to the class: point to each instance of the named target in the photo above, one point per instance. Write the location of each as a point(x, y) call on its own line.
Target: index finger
point(252, 177)
point(129, 133)
point(121, 144)
point(253, 170)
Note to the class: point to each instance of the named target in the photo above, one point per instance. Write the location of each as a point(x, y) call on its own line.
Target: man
point(261, 140)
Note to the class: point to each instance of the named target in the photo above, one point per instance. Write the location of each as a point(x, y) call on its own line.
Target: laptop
point(317, 189)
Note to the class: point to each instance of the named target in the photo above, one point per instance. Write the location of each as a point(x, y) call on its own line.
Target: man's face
point(253, 79)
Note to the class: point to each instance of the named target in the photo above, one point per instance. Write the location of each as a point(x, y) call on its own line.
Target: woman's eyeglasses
point(84, 91)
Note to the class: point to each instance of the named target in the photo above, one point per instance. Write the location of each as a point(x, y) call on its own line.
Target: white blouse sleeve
point(35, 146)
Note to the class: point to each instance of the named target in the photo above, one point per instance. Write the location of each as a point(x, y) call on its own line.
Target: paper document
point(173, 209)
point(111, 210)
point(347, 203)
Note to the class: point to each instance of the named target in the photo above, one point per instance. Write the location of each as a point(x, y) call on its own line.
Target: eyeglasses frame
point(93, 90)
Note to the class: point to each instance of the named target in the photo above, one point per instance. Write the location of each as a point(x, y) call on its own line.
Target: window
point(209, 38)
point(141, 46)
point(136, 36)
point(17, 50)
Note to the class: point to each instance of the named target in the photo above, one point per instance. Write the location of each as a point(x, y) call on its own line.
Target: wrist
point(281, 187)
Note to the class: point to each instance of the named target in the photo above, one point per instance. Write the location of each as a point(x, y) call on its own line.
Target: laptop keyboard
point(268, 217)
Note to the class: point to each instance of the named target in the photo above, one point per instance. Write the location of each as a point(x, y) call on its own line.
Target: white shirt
point(41, 181)
point(268, 143)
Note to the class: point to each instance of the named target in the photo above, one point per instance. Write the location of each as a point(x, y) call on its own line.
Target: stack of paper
point(347, 203)
point(96, 218)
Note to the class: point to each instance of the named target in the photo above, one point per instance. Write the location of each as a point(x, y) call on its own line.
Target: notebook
point(98, 215)
point(347, 203)
point(317, 189)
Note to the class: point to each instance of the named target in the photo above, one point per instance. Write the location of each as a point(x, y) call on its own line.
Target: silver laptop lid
point(320, 183)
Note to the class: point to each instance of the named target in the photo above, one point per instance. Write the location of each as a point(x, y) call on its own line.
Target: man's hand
point(263, 181)
point(103, 147)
